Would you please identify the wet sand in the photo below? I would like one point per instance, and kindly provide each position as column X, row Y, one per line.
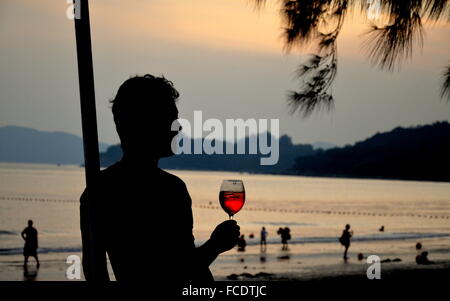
column 53, row 268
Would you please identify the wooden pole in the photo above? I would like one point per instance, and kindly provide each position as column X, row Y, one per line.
column 90, row 137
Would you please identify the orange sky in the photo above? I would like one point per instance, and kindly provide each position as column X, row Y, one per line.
column 231, row 24
column 226, row 25
column 220, row 50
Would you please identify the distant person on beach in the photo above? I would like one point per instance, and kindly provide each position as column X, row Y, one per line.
column 418, row 246
column 241, row 243
column 422, row 258
column 345, row 239
column 263, row 237
column 30, row 235
column 287, row 237
column 141, row 215
column 285, row 234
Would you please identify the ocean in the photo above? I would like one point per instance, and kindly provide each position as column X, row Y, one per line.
column 315, row 209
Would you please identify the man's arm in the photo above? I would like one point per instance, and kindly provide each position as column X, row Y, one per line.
column 206, row 254
column 223, row 238
column 23, row 234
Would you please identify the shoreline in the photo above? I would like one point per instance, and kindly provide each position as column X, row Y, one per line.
column 389, row 272
column 275, row 265
column 54, row 270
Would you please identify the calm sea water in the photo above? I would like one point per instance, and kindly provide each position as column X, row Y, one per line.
column 315, row 209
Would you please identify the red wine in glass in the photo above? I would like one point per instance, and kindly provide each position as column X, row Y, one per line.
column 232, row 196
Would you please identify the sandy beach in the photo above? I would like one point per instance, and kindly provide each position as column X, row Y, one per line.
column 277, row 265
column 54, row 270
column 410, row 211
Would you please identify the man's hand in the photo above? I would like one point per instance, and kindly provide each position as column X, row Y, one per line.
column 225, row 236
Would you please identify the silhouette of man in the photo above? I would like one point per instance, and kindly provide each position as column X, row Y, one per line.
column 30, row 235
column 143, row 214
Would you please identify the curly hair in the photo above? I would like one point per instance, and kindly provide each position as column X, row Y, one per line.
column 141, row 91
column 141, row 95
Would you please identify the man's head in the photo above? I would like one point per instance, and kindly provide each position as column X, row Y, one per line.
column 347, row 226
column 144, row 109
column 30, row 223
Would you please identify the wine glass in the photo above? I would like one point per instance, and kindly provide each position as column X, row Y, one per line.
column 232, row 196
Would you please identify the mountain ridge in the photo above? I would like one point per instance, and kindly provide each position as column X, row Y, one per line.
column 27, row 145
column 412, row 153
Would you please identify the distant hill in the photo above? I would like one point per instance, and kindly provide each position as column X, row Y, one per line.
column 241, row 163
column 26, row 145
column 323, row 145
column 416, row 153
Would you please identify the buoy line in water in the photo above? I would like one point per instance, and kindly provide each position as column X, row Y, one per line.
column 293, row 211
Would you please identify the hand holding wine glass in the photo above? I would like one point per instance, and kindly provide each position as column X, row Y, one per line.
column 225, row 236
column 232, row 196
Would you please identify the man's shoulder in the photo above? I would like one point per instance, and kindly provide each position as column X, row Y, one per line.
column 115, row 176
column 111, row 170
column 105, row 176
column 172, row 179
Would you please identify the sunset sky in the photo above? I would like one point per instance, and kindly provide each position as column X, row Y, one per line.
column 224, row 57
